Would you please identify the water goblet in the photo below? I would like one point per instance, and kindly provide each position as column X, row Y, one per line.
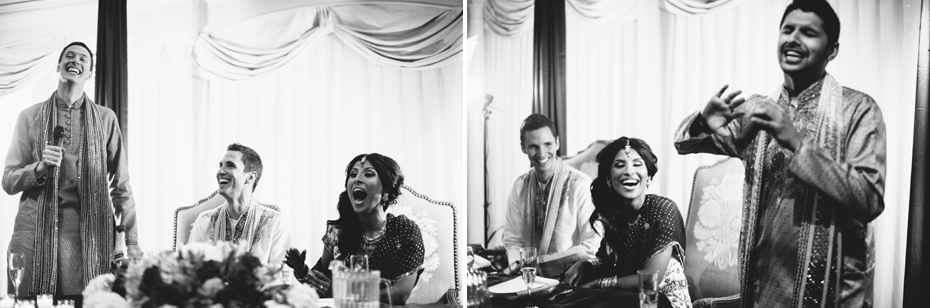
column 529, row 277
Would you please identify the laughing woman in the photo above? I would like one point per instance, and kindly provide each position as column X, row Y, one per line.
column 642, row 231
column 393, row 243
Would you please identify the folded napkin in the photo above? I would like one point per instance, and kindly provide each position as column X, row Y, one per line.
column 516, row 288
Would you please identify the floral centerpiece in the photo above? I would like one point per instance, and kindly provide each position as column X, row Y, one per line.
column 198, row 275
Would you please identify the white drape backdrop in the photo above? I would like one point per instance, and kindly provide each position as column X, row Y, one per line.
column 307, row 121
column 639, row 76
column 306, row 118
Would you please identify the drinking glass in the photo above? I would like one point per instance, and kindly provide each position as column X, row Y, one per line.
column 358, row 262
column 529, row 256
column 529, row 276
column 16, row 266
column 648, row 289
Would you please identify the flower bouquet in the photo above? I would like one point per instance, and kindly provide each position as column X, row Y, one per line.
column 198, row 275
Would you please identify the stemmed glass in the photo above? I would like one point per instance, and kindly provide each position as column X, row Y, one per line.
column 529, row 276
column 16, row 266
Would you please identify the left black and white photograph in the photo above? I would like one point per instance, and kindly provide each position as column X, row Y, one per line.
column 232, row 153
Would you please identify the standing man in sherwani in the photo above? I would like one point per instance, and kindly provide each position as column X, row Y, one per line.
column 814, row 153
column 65, row 226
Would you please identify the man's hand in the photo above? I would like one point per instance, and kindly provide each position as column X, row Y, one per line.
column 720, row 110
column 770, row 117
column 134, row 253
column 51, row 157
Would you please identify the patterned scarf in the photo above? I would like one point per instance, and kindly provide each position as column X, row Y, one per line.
column 96, row 208
column 250, row 228
column 557, row 196
column 819, row 227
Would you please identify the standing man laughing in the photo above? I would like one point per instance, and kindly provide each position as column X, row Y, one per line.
column 814, row 153
column 65, row 224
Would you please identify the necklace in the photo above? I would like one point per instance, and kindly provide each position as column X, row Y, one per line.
column 377, row 234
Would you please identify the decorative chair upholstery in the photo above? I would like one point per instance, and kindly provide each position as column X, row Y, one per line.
column 712, row 234
column 585, row 161
column 438, row 225
column 185, row 216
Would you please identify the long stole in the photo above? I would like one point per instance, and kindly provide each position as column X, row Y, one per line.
column 820, row 240
column 96, row 208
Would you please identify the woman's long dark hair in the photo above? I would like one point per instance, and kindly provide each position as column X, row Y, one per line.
column 350, row 238
column 605, row 199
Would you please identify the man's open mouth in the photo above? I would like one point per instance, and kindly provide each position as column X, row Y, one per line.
column 73, row 70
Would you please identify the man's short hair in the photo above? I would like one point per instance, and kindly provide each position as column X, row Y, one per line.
column 831, row 23
column 536, row 121
column 62, row 55
column 250, row 159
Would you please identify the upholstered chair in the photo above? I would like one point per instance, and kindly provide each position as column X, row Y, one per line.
column 585, row 161
column 712, row 234
column 438, row 225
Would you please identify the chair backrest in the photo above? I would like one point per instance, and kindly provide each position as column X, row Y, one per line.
column 585, row 161
column 713, row 228
column 438, row 225
column 185, row 216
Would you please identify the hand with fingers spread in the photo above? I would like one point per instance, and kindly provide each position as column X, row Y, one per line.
column 296, row 259
column 52, row 156
column 770, row 117
column 721, row 109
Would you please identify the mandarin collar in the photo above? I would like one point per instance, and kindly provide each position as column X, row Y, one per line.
column 808, row 95
column 64, row 105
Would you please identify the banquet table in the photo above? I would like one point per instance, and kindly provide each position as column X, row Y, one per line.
column 567, row 296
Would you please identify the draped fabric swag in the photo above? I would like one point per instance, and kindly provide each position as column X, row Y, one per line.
column 917, row 272
column 22, row 63
column 641, row 74
column 688, row 7
column 112, row 59
column 401, row 36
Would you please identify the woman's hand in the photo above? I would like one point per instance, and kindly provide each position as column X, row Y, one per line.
column 296, row 259
column 320, row 282
column 576, row 274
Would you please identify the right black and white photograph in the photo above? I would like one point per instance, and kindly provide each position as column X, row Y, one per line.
column 697, row 153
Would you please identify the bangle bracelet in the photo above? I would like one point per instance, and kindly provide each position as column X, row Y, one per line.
column 594, row 261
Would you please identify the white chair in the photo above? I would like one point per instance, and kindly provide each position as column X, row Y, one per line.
column 438, row 225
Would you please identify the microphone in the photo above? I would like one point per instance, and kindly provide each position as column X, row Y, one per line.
column 58, row 134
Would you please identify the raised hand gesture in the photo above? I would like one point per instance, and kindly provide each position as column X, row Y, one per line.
column 296, row 259
column 721, row 109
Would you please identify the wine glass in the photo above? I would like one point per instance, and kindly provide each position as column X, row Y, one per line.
column 529, row 256
column 16, row 266
column 529, row 276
